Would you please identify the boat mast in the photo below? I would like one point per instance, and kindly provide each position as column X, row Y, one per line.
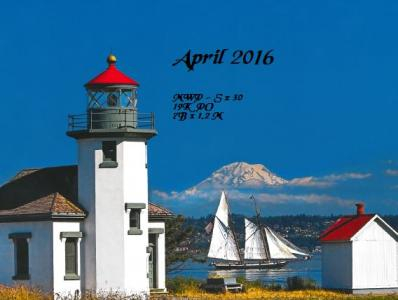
column 260, row 227
column 230, row 221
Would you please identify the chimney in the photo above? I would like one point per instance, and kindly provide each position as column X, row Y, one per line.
column 360, row 208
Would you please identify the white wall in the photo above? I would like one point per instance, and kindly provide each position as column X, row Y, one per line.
column 40, row 254
column 374, row 258
column 86, row 196
column 101, row 193
column 135, row 184
column 337, row 265
column 113, row 259
column 62, row 286
column 161, row 255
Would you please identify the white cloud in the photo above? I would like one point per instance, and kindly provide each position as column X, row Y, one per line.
column 238, row 195
column 283, row 198
column 185, row 195
column 328, row 180
column 165, row 195
column 392, row 172
column 305, row 198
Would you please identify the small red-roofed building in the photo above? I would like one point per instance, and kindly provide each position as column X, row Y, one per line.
column 359, row 254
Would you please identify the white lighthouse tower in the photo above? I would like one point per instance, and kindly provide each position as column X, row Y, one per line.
column 113, row 184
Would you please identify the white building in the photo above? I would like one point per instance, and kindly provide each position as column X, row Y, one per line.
column 359, row 254
column 89, row 227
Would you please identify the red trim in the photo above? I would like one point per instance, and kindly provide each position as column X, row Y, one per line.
column 112, row 76
column 345, row 228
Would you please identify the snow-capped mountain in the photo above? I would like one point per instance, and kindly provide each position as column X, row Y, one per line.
column 277, row 195
column 240, row 175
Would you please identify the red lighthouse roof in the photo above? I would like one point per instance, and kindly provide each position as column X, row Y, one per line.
column 111, row 76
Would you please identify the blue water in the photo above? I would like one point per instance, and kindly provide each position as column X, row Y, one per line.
column 306, row 268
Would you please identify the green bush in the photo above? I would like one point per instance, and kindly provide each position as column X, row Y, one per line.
column 249, row 284
column 181, row 284
column 299, row 283
column 273, row 286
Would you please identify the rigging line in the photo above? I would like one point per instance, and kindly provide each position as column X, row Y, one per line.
column 263, row 237
column 226, row 229
column 226, row 239
column 232, row 228
column 257, row 229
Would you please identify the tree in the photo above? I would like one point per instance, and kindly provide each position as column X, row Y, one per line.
column 177, row 233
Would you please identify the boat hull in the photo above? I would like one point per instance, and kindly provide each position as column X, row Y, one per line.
column 244, row 266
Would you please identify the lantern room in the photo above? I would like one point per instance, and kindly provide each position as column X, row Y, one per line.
column 112, row 89
column 111, row 104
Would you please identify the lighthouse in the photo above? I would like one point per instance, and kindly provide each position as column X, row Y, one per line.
column 73, row 229
column 112, row 138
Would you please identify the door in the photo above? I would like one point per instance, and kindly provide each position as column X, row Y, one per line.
column 152, row 261
column 150, row 273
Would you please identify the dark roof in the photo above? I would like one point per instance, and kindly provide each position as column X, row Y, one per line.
column 49, row 193
column 41, row 194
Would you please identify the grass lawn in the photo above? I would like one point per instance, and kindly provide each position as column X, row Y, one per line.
column 191, row 291
column 259, row 293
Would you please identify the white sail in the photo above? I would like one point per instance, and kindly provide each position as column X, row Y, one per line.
column 277, row 249
column 223, row 244
column 292, row 248
column 254, row 244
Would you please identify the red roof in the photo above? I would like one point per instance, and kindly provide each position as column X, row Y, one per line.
column 112, row 76
column 345, row 228
column 156, row 211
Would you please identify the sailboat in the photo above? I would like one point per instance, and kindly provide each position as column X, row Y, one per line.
column 264, row 248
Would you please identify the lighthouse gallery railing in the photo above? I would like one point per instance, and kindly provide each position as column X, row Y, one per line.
column 111, row 119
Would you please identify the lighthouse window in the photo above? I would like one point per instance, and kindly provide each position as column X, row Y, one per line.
column 109, row 154
column 134, row 217
column 109, row 150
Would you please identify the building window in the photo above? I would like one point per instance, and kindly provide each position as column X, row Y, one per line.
column 21, row 250
column 109, row 150
column 22, row 258
column 135, row 218
column 71, row 254
column 71, row 257
column 109, row 154
column 134, row 210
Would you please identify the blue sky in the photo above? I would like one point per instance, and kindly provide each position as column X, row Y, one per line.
column 327, row 105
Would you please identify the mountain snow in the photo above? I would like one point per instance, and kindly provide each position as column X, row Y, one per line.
column 241, row 175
